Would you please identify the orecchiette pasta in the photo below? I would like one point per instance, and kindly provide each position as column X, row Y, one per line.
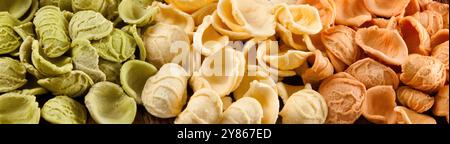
column 222, row 71
column 440, row 107
column 12, row 74
column 415, row 36
column 201, row 13
column 64, row 110
column 340, row 44
column 351, row 12
column 51, row 28
column 414, row 99
column 207, row 40
column 89, row 25
column 18, row 109
column 164, row 94
column 320, row 69
column 407, row 116
column 9, row 40
column 137, row 12
column 116, row 47
column 253, row 73
column 299, row 19
column 431, row 20
column 382, row 44
column 86, row 59
column 344, row 96
column 189, row 6
column 372, row 73
column 327, row 10
column 305, row 107
column 251, row 16
column 134, row 75
column 204, row 107
column 268, row 98
column 49, row 66
column 73, row 84
column 246, row 110
column 378, row 106
column 62, row 4
column 386, row 8
column 170, row 15
column 107, row 103
column 423, row 73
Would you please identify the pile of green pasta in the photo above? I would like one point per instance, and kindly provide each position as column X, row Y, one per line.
column 72, row 49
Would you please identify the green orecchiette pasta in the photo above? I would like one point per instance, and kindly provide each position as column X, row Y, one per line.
column 72, row 84
column 17, row 8
column 137, row 12
column 107, row 103
column 29, row 15
column 89, row 25
column 64, row 110
column 117, row 47
column 134, row 75
column 25, row 51
column 18, row 109
column 51, row 28
column 85, row 59
column 12, row 74
column 25, row 30
column 62, row 4
column 111, row 70
column 47, row 66
column 9, row 39
column 132, row 30
column 107, row 8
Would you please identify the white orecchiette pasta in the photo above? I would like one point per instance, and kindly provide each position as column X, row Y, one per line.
column 246, row 110
column 204, row 107
column 305, row 107
column 164, row 94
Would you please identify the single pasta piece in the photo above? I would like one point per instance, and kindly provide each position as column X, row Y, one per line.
column 344, row 96
column 305, row 107
column 440, row 107
column 415, row 36
column 246, row 110
column 406, row 116
column 222, row 71
column 268, row 99
column 372, row 73
column 320, row 69
column 204, row 107
column 378, row 107
column 382, row 44
column 423, row 73
column 164, row 94
column 414, row 99
column 207, row 40
column 339, row 42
